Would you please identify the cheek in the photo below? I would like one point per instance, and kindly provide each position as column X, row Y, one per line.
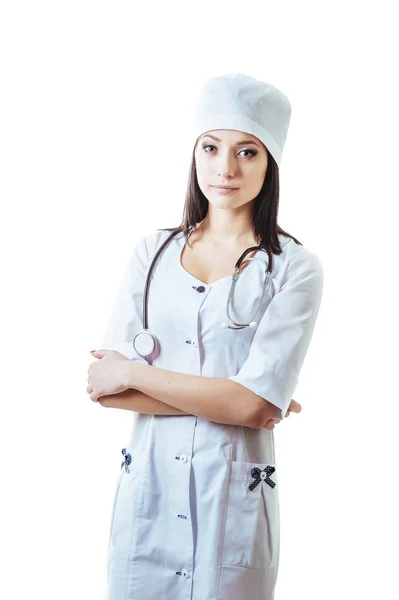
column 203, row 184
column 255, row 179
column 203, row 174
column 200, row 178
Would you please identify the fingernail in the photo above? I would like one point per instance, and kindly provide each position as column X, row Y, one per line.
column 92, row 351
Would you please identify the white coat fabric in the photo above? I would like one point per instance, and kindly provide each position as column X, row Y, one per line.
column 187, row 523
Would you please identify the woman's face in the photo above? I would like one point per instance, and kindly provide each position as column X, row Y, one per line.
column 223, row 159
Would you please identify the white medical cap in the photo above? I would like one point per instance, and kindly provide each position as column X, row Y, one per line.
column 241, row 102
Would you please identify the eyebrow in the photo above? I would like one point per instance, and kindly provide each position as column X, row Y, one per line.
column 242, row 143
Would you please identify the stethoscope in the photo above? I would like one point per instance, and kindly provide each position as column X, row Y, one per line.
column 144, row 342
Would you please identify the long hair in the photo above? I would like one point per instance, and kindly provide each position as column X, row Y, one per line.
column 264, row 215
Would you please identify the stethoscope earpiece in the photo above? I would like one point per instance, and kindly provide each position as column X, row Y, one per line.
column 251, row 325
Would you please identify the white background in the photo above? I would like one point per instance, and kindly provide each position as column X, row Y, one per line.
column 97, row 102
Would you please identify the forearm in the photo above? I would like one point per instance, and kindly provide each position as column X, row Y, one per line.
column 137, row 401
column 214, row 398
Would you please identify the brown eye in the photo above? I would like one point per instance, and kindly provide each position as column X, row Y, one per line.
column 252, row 152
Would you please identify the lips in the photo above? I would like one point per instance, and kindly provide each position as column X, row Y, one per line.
column 225, row 187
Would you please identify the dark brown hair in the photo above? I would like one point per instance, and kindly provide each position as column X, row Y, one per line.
column 265, row 209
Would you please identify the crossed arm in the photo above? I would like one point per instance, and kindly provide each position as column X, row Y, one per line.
column 158, row 391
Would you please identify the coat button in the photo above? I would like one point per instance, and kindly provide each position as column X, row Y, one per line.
column 183, row 458
column 201, row 288
column 185, row 573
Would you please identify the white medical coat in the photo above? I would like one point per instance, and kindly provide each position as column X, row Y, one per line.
column 186, row 525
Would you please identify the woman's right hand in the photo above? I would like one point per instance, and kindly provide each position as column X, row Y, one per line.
column 294, row 407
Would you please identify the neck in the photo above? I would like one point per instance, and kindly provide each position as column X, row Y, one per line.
column 224, row 227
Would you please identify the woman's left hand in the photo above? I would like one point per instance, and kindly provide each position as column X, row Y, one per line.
column 108, row 375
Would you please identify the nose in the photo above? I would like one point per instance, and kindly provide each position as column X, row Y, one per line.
column 226, row 165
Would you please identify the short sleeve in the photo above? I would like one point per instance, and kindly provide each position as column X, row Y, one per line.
column 283, row 336
column 127, row 315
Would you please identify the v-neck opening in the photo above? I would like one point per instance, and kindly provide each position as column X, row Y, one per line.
column 187, row 273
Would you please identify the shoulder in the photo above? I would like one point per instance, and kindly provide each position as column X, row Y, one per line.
column 147, row 245
column 299, row 258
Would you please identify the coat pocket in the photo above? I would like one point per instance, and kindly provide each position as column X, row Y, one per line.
column 118, row 482
column 252, row 526
column 128, row 499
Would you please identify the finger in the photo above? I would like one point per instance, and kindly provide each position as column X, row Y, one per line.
column 89, row 389
column 93, row 397
column 295, row 406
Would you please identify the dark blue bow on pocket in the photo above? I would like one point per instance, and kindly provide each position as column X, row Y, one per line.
column 259, row 475
column 127, row 461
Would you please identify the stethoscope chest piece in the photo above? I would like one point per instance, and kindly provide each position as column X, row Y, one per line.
column 144, row 343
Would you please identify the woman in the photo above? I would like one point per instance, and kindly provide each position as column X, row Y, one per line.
column 196, row 509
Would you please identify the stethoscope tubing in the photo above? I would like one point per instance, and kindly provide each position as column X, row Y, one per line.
column 147, row 340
